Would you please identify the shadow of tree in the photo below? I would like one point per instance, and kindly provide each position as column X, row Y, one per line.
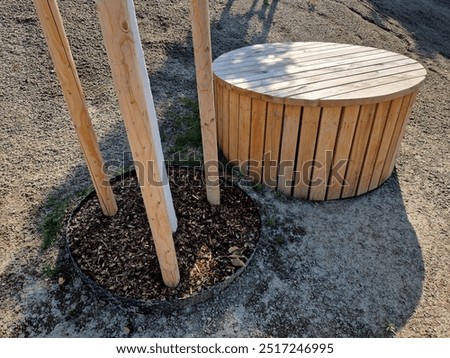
column 425, row 20
column 263, row 11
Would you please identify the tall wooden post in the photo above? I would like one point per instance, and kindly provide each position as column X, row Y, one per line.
column 201, row 34
column 55, row 35
column 126, row 57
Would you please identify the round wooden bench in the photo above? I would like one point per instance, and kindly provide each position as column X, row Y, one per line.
column 315, row 120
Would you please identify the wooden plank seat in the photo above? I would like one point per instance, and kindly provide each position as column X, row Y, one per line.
column 314, row 120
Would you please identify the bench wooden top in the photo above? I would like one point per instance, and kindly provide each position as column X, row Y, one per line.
column 318, row 73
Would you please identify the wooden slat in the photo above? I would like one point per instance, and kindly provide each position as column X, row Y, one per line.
column 399, row 131
column 126, row 57
column 328, row 129
column 245, row 107
column 203, row 63
column 291, row 125
column 218, row 94
column 58, row 44
column 225, row 122
column 344, row 142
column 233, row 128
column 272, row 146
column 306, row 149
column 375, row 139
column 257, row 136
column 358, row 151
column 391, row 122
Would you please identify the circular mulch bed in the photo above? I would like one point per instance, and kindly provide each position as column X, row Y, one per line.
column 116, row 255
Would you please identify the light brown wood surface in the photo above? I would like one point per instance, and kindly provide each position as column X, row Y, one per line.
column 341, row 158
column 306, row 149
column 233, row 128
column 274, row 126
column 58, row 44
column 386, row 140
column 373, row 146
column 328, row 130
column 203, row 63
column 399, row 131
column 258, row 127
column 329, row 118
column 315, row 73
column 245, row 107
column 121, row 37
column 291, row 125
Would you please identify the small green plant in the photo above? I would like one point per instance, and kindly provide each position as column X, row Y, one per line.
column 50, row 272
column 278, row 195
column 83, row 192
column 53, row 221
column 271, row 221
column 280, row 240
column 189, row 126
column 258, row 187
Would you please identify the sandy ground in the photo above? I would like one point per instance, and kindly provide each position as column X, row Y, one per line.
column 373, row 266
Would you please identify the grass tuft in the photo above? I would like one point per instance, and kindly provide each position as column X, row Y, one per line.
column 50, row 272
column 53, row 221
column 189, row 127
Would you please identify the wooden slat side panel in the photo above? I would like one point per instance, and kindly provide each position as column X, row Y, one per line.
column 388, row 133
column 257, row 136
column 358, row 151
column 306, row 148
column 394, row 149
column 374, row 145
column 289, row 142
column 344, row 142
column 272, row 145
column 326, row 140
column 226, row 122
column 245, row 107
column 233, row 127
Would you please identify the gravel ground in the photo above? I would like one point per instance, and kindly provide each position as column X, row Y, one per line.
column 371, row 266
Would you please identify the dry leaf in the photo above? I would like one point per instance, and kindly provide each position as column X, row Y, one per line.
column 61, row 281
column 237, row 262
column 233, row 249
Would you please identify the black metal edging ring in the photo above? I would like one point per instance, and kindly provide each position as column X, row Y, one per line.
column 146, row 306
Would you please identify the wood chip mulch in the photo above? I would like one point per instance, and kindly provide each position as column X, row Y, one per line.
column 212, row 242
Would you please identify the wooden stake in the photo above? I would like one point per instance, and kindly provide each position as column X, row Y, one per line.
column 201, row 34
column 58, row 44
column 126, row 57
